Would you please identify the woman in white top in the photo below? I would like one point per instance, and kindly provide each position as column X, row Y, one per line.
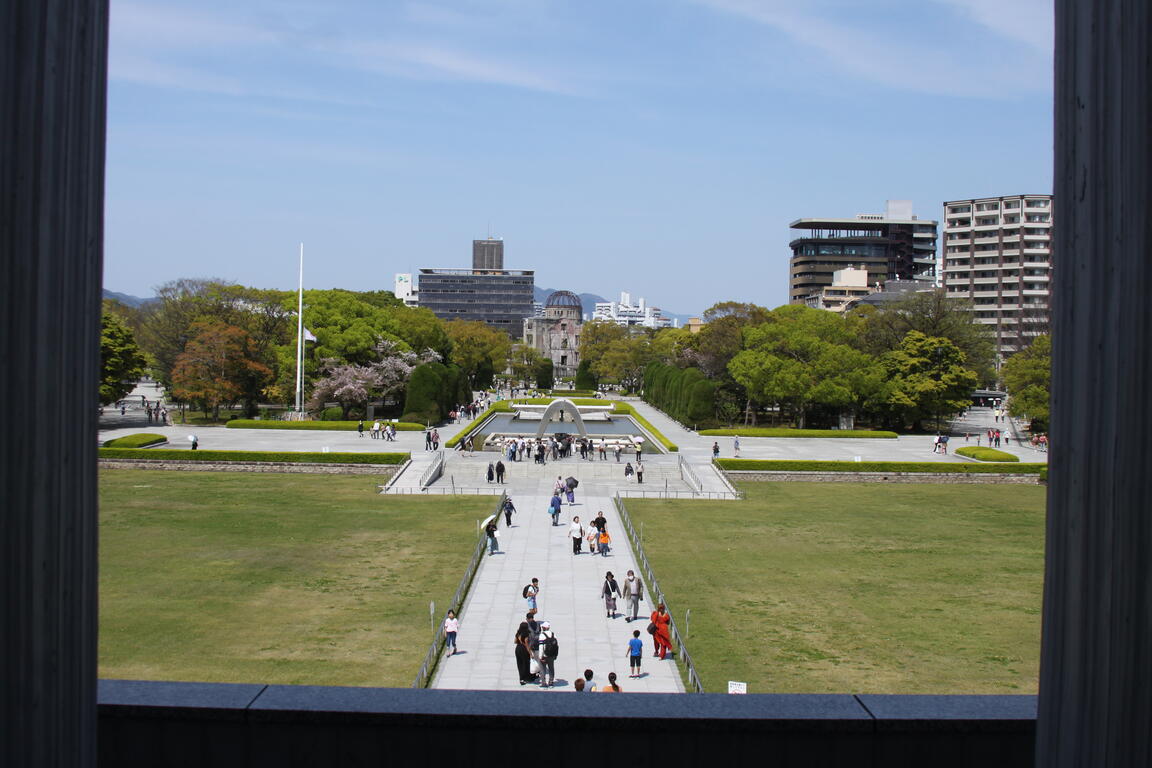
column 451, row 627
column 576, row 531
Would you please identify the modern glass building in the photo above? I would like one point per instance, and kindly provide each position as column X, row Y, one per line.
column 500, row 298
column 894, row 246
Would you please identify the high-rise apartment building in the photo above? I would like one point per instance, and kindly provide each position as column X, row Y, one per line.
column 892, row 246
column 488, row 254
column 998, row 253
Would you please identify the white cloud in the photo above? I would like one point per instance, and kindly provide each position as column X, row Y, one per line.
column 888, row 54
column 1027, row 21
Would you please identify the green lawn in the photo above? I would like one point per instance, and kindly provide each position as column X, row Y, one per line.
column 856, row 588
column 273, row 578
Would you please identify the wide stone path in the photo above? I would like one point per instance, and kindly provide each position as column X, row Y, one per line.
column 570, row 584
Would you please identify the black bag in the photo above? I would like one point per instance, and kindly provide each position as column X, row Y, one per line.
column 524, row 594
column 651, row 627
column 551, row 647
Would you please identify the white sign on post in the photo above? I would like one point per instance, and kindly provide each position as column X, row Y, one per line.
column 735, row 687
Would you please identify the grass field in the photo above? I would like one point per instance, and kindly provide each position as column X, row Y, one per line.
column 273, row 578
column 856, row 588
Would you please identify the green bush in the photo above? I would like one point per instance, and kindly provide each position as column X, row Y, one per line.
column 1044, row 475
column 585, row 379
column 277, row 456
column 335, row 413
column 423, row 402
column 545, row 374
column 787, row 432
column 981, row 453
column 773, row 465
column 500, row 406
column 572, row 393
column 138, row 440
column 685, row 394
column 629, row 410
column 329, row 426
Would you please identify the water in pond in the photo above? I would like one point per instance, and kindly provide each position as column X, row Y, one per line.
column 508, row 424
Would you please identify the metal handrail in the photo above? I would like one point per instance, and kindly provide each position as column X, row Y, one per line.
column 433, row 656
column 434, row 470
column 724, row 479
column 682, row 654
column 688, row 475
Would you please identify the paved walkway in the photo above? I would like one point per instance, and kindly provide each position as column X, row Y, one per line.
column 570, row 585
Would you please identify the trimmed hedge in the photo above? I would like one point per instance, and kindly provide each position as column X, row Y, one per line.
column 331, row 426
column 784, row 465
column 786, row 432
column 138, row 440
column 1044, row 475
column 981, row 453
column 504, row 406
column 585, row 379
column 685, row 394
column 278, row 456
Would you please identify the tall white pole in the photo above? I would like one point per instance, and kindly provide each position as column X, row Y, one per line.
column 300, row 338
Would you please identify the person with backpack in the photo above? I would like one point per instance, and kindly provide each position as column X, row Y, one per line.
column 530, row 592
column 549, row 650
column 610, row 591
column 554, row 508
column 508, row 510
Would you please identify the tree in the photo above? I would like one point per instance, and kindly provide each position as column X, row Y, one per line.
column 166, row 324
column 624, row 360
column 121, row 361
column 928, row 377
column 596, row 337
column 936, row 315
column 545, row 374
column 586, row 381
column 800, row 358
column 522, row 361
column 1028, row 377
column 215, row 365
column 478, row 349
column 422, row 405
column 354, row 385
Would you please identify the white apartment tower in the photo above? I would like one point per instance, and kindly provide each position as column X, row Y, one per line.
column 998, row 253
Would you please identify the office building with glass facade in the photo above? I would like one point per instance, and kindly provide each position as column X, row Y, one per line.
column 893, row 246
column 500, row 298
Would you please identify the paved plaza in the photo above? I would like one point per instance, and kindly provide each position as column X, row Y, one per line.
column 533, row 548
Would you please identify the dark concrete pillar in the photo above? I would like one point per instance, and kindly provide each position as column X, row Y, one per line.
column 53, row 79
column 1096, row 664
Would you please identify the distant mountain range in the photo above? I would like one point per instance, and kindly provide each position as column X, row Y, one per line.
column 588, row 301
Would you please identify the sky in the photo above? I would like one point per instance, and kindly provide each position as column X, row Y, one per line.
column 659, row 147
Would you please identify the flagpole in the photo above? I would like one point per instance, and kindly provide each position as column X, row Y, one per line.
column 300, row 338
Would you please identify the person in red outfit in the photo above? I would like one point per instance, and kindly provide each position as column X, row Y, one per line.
column 661, row 638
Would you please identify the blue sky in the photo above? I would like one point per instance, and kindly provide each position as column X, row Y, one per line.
column 655, row 146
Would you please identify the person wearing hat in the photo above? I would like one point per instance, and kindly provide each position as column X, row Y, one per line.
column 549, row 650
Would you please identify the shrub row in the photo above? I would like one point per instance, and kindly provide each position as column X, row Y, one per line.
column 685, row 394
column 784, row 465
column 278, row 456
column 138, row 440
column 981, row 453
column 785, row 432
column 627, row 408
column 330, row 426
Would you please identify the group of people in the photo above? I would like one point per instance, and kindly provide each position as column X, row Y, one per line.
column 432, row 440
column 554, row 448
column 637, row 472
column 378, row 430
column 599, row 542
column 496, row 472
column 940, row 444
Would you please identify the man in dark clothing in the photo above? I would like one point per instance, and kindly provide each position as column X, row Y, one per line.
column 499, row 471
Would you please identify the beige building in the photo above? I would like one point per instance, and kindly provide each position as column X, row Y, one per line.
column 848, row 286
column 556, row 334
column 998, row 254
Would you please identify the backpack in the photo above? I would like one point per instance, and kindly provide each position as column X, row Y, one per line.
column 551, row 646
column 524, row 594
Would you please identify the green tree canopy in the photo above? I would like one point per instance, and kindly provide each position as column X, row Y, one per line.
column 121, row 361
column 928, row 377
column 479, row 349
column 1028, row 377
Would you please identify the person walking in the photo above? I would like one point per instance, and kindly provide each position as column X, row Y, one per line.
column 493, row 534
column 639, row 474
column 604, row 541
column 554, row 508
column 549, row 650
column 435, row 440
column 428, row 440
column 509, row 509
column 531, row 591
column 499, row 471
column 660, row 633
column 736, row 446
column 628, row 471
column 632, row 592
column 359, row 425
column 451, row 627
column 716, row 450
column 576, row 531
column 616, row 451
column 610, row 591
column 570, row 489
column 491, row 472
column 559, row 486
column 635, row 653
